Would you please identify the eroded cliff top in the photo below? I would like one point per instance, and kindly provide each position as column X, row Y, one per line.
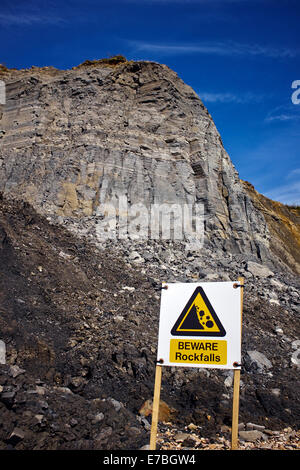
column 113, row 62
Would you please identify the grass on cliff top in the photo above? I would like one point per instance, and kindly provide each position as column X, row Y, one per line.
column 3, row 69
column 106, row 62
column 109, row 62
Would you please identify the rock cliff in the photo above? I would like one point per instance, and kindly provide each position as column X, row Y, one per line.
column 284, row 227
column 74, row 140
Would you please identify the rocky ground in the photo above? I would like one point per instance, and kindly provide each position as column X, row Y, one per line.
column 251, row 437
column 80, row 332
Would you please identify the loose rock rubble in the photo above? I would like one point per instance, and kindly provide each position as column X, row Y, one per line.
column 80, row 326
column 171, row 438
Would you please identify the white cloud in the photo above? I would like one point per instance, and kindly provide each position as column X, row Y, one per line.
column 282, row 117
column 226, row 48
column 283, row 113
column 271, row 163
column 23, row 19
column 228, row 97
column 293, row 173
column 287, row 194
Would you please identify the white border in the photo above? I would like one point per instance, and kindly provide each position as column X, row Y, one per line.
column 226, row 301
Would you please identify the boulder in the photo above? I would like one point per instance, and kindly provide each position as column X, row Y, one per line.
column 2, row 352
column 251, row 436
column 259, row 270
column 261, row 361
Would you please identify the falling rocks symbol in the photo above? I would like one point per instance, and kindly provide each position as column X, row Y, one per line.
column 198, row 318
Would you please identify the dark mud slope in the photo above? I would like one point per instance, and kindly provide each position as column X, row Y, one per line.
column 80, row 329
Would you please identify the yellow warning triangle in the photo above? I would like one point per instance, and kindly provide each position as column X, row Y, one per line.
column 198, row 318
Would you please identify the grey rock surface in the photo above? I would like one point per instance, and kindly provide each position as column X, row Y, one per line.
column 250, row 436
column 260, row 360
column 2, row 352
column 74, row 140
column 259, row 270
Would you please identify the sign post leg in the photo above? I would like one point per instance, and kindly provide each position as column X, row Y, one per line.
column 155, row 407
column 236, row 387
column 235, row 409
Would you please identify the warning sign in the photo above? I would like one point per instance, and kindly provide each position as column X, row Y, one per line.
column 198, row 318
column 200, row 325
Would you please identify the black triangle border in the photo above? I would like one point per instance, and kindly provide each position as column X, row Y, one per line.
column 198, row 290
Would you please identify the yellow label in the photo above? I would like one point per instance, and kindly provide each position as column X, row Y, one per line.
column 189, row 351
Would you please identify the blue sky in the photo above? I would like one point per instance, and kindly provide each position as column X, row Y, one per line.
column 240, row 56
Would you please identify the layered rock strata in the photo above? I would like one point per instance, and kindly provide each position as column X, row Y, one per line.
column 75, row 140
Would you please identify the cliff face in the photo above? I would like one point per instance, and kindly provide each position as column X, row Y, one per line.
column 283, row 225
column 73, row 140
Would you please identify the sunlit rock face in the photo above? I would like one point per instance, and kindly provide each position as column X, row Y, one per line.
column 73, row 141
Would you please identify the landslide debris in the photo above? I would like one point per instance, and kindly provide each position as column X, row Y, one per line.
column 80, row 329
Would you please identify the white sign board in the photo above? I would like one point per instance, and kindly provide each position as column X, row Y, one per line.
column 200, row 325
